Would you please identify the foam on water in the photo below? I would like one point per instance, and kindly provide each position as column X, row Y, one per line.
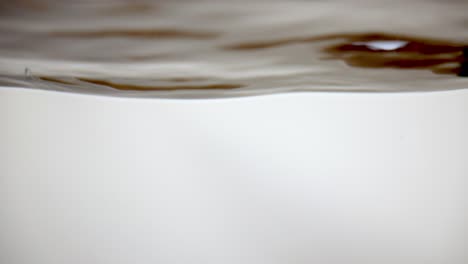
column 218, row 48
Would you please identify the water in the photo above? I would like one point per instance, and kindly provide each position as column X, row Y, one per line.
column 219, row 48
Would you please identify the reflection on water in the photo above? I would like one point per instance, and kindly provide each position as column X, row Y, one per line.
column 401, row 52
column 213, row 48
column 379, row 50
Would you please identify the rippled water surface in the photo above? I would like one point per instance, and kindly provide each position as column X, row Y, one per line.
column 216, row 48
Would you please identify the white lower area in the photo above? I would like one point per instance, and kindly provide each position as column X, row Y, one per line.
column 302, row 178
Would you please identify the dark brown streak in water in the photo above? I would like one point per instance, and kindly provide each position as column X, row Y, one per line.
column 136, row 33
column 55, row 80
column 133, row 87
column 355, row 50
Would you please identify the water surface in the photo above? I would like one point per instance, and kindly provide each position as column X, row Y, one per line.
column 217, row 48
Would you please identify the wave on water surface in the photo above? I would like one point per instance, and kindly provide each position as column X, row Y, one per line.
column 222, row 48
